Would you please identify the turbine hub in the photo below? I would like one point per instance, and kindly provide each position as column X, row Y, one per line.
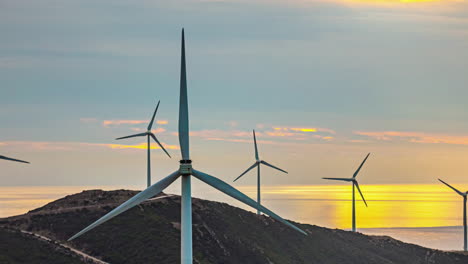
column 185, row 167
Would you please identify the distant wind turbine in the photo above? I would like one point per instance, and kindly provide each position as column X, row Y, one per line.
column 11, row 159
column 185, row 171
column 257, row 164
column 355, row 184
column 465, row 246
column 149, row 134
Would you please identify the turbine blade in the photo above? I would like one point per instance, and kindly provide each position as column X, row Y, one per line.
column 231, row 191
column 362, row 196
column 160, row 197
column 152, row 119
column 360, row 166
column 135, row 200
column 183, row 106
column 339, row 179
column 12, row 159
column 255, row 143
column 251, row 167
column 157, row 141
column 269, row 165
column 451, row 187
column 136, row 135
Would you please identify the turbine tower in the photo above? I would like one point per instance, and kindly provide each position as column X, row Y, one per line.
column 185, row 171
column 465, row 246
column 149, row 135
column 257, row 163
column 355, row 184
column 11, row 159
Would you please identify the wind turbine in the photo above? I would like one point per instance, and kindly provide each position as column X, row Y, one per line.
column 257, row 163
column 149, row 135
column 465, row 246
column 355, row 184
column 11, row 159
column 185, row 171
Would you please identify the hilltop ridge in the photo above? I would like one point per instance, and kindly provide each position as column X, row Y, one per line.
column 150, row 233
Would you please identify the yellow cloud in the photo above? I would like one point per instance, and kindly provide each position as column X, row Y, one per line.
column 305, row 129
column 162, row 122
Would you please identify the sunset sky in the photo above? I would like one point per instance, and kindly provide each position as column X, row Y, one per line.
column 322, row 82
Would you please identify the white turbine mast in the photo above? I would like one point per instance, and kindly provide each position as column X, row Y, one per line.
column 355, row 184
column 257, row 163
column 464, row 195
column 149, row 134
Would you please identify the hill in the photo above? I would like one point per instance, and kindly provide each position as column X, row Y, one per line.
column 150, row 233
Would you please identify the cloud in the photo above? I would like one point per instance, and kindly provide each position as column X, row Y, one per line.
column 415, row 137
column 108, row 123
column 70, row 146
column 140, row 146
column 241, row 140
column 301, row 133
column 162, row 122
column 270, row 134
column 305, row 129
column 155, row 131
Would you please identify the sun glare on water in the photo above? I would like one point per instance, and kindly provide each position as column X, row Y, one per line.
column 413, row 205
column 409, row 205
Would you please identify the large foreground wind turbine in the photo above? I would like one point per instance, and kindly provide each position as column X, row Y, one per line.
column 355, row 184
column 465, row 246
column 257, row 163
column 149, row 134
column 186, row 172
column 11, row 159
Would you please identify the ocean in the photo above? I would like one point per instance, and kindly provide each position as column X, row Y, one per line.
column 426, row 214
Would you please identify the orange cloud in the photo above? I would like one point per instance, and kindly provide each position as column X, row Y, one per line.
column 391, row 1
column 123, row 122
column 68, row 146
column 107, row 123
column 139, row 146
column 155, row 131
column 396, row 2
column 416, row 137
column 241, row 140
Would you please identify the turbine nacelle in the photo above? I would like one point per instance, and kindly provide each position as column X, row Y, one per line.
column 185, row 167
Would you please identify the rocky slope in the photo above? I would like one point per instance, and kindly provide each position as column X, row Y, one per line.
column 150, row 233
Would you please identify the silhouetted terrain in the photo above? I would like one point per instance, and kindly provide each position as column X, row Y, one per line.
column 150, row 233
column 17, row 247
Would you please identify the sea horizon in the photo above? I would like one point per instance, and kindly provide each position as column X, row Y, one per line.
column 422, row 214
